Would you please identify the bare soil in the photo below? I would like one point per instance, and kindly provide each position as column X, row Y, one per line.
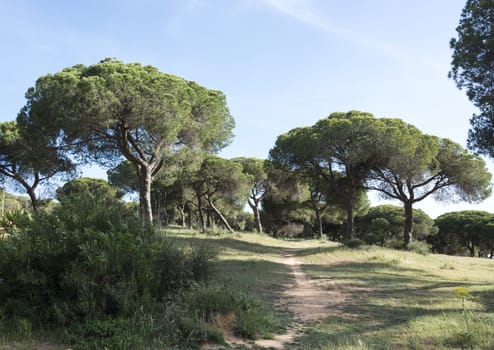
column 307, row 300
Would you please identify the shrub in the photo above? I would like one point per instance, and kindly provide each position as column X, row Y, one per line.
column 53, row 275
column 354, row 243
column 108, row 333
column 420, row 247
column 291, row 230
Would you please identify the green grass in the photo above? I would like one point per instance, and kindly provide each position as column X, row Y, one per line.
column 387, row 299
column 401, row 300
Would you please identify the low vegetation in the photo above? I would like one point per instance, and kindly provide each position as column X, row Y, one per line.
column 387, row 299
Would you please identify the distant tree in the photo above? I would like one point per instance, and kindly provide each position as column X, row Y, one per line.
column 473, row 69
column 487, row 238
column 29, row 160
column 219, row 181
column 462, row 227
column 124, row 176
column 112, row 110
column 260, row 185
column 339, row 150
column 413, row 166
column 89, row 190
column 384, row 224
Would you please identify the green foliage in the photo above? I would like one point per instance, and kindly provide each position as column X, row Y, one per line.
column 28, row 160
column 108, row 333
column 413, row 166
column 250, row 320
column 290, row 230
column 420, row 247
column 111, row 110
column 92, row 274
column 472, row 65
column 354, row 243
column 463, row 232
column 221, row 186
column 384, row 224
column 260, row 185
column 338, row 151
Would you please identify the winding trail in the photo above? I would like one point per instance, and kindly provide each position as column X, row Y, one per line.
column 308, row 301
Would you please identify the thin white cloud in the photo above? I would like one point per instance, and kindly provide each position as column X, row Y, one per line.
column 305, row 11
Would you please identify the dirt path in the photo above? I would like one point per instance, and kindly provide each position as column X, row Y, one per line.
column 308, row 302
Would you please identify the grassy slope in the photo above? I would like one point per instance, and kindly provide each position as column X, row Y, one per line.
column 397, row 300
column 389, row 299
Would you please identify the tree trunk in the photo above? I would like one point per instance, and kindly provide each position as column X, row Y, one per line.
column 471, row 248
column 257, row 218
column 191, row 212
column 408, row 231
column 221, row 217
column 257, row 215
column 208, row 219
column 349, row 216
column 319, row 221
column 181, row 209
column 34, row 199
column 145, row 180
column 202, row 226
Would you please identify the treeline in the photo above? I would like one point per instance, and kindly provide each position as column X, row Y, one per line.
column 159, row 134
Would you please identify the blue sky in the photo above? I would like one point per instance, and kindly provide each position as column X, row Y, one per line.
column 281, row 63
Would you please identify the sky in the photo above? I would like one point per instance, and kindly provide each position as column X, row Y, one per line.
column 281, row 63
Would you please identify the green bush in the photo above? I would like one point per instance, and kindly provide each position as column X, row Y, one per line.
column 93, row 270
column 420, row 247
column 354, row 243
column 109, row 333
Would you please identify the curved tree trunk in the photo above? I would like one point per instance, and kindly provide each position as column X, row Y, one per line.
column 30, row 189
column 221, row 217
column 181, row 209
column 408, row 232
column 257, row 215
column 34, row 199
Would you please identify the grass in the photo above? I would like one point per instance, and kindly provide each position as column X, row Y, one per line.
column 387, row 299
column 391, row 299
column 401, row 300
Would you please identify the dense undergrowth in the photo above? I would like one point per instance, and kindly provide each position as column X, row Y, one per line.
column 91, row 275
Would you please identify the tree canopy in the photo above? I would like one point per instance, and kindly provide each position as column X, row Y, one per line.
column 473, row 69
column 113, row 110
column 413, row 166
column 384, row 225
column 260, row 185
column 338, row 149
column 466, row 229
column 29, row 160
column 219, row 180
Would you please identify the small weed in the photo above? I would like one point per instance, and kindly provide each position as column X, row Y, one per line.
column 384, row 259
column 447, row 266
